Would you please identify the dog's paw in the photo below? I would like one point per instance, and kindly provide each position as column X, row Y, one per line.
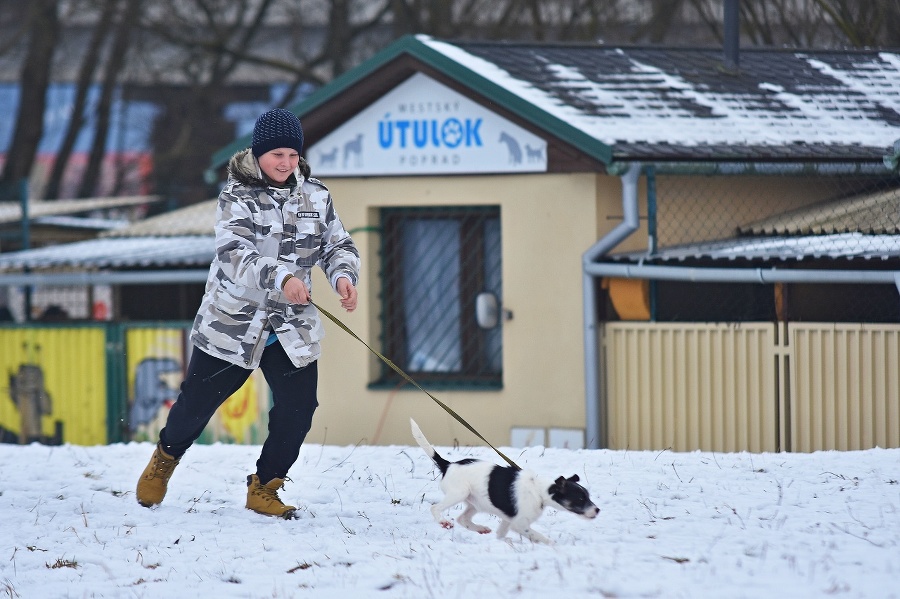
column 483, row 530
column 446, row 524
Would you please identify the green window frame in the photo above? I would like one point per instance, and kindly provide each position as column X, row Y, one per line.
column 435, row 262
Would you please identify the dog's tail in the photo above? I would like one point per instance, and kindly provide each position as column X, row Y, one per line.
column 417, row 434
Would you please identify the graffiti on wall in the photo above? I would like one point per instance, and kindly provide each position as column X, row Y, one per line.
column 157, row 359
column 53, row 386
column 29, row 394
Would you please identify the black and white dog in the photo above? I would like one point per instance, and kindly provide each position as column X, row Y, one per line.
column 517, row 497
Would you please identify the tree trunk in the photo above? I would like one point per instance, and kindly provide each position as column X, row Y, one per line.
column 43, row 36
column 91, row 176
column 339, row 36
column 83, row 85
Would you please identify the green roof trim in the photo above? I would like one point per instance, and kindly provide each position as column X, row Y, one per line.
column 411, row 45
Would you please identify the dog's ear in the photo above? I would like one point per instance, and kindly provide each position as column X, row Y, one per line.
column 574, row 478
column 558, row 485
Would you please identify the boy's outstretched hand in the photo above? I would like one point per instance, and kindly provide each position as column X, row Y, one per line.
column 348, row 294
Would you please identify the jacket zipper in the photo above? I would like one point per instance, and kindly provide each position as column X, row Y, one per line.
column 260, row 338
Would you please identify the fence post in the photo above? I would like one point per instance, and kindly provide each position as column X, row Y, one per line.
column 116, row 384
column 26, row 238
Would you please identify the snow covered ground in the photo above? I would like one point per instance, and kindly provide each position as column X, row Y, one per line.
column 671, row 525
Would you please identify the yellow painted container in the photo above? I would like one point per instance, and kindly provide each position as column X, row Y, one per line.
column 157, row 359
column 154, row 364
column 55, row 385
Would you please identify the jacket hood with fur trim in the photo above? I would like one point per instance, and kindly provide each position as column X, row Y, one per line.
column 244, row 169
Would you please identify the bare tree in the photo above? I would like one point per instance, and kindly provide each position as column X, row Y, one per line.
column 114, row 64
column 193, row 57
column 43, row 28
column 809, row 23
column 871, row 23
column 85, row 78
column 663, row 16
column 217, row 41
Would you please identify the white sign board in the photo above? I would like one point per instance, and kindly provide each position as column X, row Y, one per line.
column 423, row 127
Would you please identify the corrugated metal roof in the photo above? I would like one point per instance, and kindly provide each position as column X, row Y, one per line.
column 775, row 248
column 11, row 212
column 129, row 252
column 82, row 222
column 176, row 239
column 865, row 226
column 196, row 219
column 876, row 213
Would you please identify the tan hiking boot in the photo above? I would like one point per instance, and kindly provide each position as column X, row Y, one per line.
column 154, row 481
column 263, row 498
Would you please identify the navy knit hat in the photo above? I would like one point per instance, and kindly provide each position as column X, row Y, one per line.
column 277, row 128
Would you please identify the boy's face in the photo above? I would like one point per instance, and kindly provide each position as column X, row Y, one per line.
column 278, row 164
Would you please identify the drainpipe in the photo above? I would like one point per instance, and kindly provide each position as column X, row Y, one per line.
column 594, row 432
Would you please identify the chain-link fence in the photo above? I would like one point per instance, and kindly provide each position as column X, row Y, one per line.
column 829, row 231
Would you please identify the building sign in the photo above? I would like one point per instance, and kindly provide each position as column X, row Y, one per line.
column 423, row 127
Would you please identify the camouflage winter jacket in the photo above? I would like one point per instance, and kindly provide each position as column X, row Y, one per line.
column 262, row 233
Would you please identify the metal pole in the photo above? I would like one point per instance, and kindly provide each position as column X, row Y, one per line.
column 595, row 429
column 731, row 35
column 26, row 238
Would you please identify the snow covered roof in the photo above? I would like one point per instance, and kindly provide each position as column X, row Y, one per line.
column 127, row 252
column 196, row 219
column 177, row 239
column 11, row 212
column 670, row 103
column 864, row 226
column 648, row 103
column 775, row 248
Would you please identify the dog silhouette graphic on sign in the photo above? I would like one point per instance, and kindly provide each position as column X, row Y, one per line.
column 353, row 148
column 512, row 146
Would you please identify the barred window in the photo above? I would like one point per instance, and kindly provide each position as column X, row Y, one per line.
column 435, row 264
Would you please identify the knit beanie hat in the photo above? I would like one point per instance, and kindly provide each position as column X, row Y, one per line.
column 277, row 128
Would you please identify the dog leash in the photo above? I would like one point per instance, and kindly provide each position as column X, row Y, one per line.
column 399, row 371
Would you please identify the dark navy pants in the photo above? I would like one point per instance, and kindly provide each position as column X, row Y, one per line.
column 210, row 381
